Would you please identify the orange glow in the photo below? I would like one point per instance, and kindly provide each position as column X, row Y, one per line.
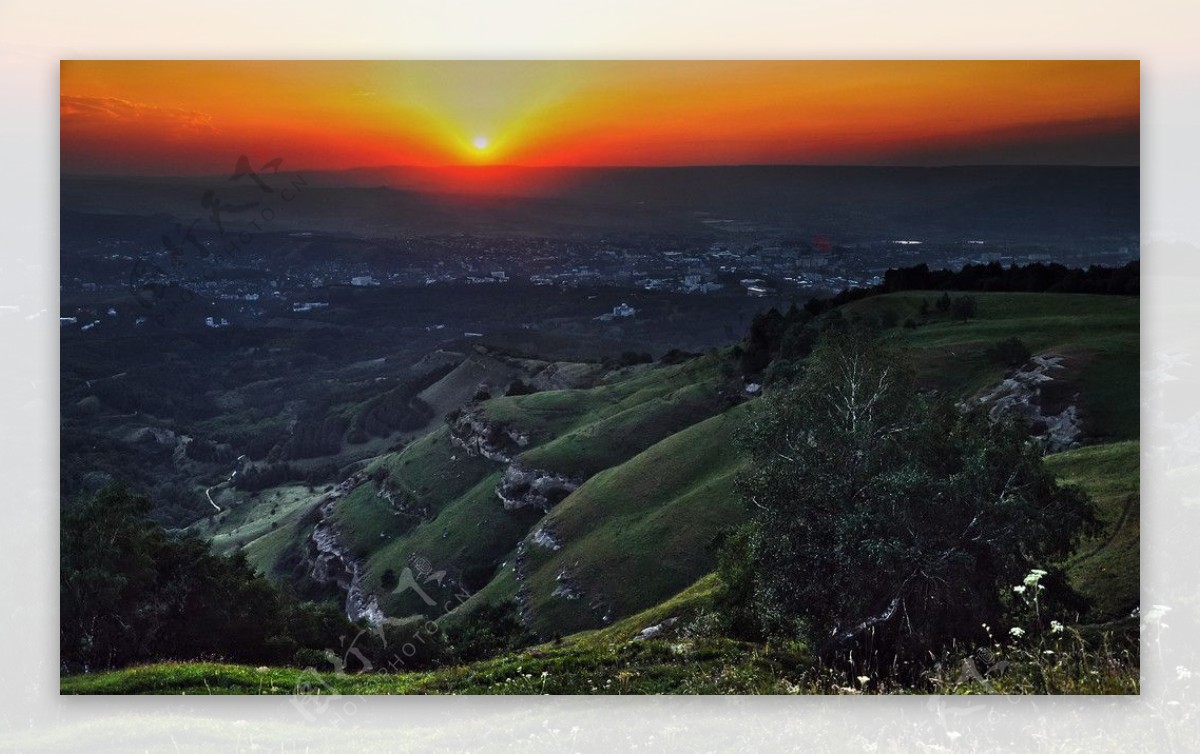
column 195, row 117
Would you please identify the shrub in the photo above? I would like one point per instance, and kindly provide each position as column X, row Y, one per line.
column 885, row 524
column 963, row 308
column 1011, row 352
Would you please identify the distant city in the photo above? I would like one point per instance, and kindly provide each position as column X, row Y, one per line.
column 258, row 286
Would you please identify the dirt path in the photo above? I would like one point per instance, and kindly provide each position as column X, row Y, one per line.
column 208, row 494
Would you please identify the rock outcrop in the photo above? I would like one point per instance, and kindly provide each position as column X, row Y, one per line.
column 564, row 586
column 332, row 563
column 521, row 487
column 545, row 537
column 655, row 630
column 476, row 435
column 1034, row 391
column 401, row 501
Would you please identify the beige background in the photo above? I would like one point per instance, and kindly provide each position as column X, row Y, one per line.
column 35, row 35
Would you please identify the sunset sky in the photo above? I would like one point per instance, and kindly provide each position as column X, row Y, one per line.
column 194, row 117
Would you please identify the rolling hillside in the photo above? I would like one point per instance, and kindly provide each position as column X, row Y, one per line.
column 596, row 510
column 588, row 506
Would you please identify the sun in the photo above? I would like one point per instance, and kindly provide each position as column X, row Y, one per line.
column 480, row 143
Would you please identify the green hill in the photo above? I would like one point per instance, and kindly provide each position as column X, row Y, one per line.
column 444, row 511
column 655, row 449
column 1105, row 569
column 1097, row 334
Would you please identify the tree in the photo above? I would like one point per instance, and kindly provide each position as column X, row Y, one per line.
column 963, row 308
column 131, row 593
column 943, row 302
column 886, row 526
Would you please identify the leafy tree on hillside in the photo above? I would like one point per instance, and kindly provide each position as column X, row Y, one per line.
column 963, row 308
column 886, row 526
column 130, row 593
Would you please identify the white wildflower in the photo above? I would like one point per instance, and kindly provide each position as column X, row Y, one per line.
column 1018, row 589
column 1056, row 626
column 862, row 680
column 1035, row 576
column 1017, row 632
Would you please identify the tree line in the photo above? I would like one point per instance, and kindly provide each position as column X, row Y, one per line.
column 1036, row 277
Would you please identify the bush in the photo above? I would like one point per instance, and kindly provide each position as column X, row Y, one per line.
column 490, row 631
column 963, row 308
column 1011, row 352
column 519, row 387
column 886, row 525
column 388, row 580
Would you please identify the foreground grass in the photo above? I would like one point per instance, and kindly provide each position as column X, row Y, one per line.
column 651, row 667
column 1058, row 664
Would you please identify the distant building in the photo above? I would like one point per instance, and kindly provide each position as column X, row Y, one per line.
column 363, row 280
column 216, row 322
column 308, row 306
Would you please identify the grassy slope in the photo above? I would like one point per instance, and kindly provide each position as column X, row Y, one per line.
column 640, row 502
column 468, row 540
column 1106, row 568
column 430, row 473
column 548, row 415
column 1098, row 333
column 640, row 532
column 460, row 385
column 637, row 533
column 249, row 519
column 470, row 534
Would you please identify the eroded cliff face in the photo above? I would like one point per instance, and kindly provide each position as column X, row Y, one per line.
column 521, row 487
column 1038, row 392
column 476, row 435
column 332, row 563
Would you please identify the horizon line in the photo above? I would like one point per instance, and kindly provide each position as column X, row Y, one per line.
column 680, row 166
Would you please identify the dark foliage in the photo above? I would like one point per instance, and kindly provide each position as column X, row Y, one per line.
column 1011, row 352
column 519, row 387
column 491, row 630
column 262, row 477
column 677, row 356
column 886, row 526
column 963, row 308
column 131, row 593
